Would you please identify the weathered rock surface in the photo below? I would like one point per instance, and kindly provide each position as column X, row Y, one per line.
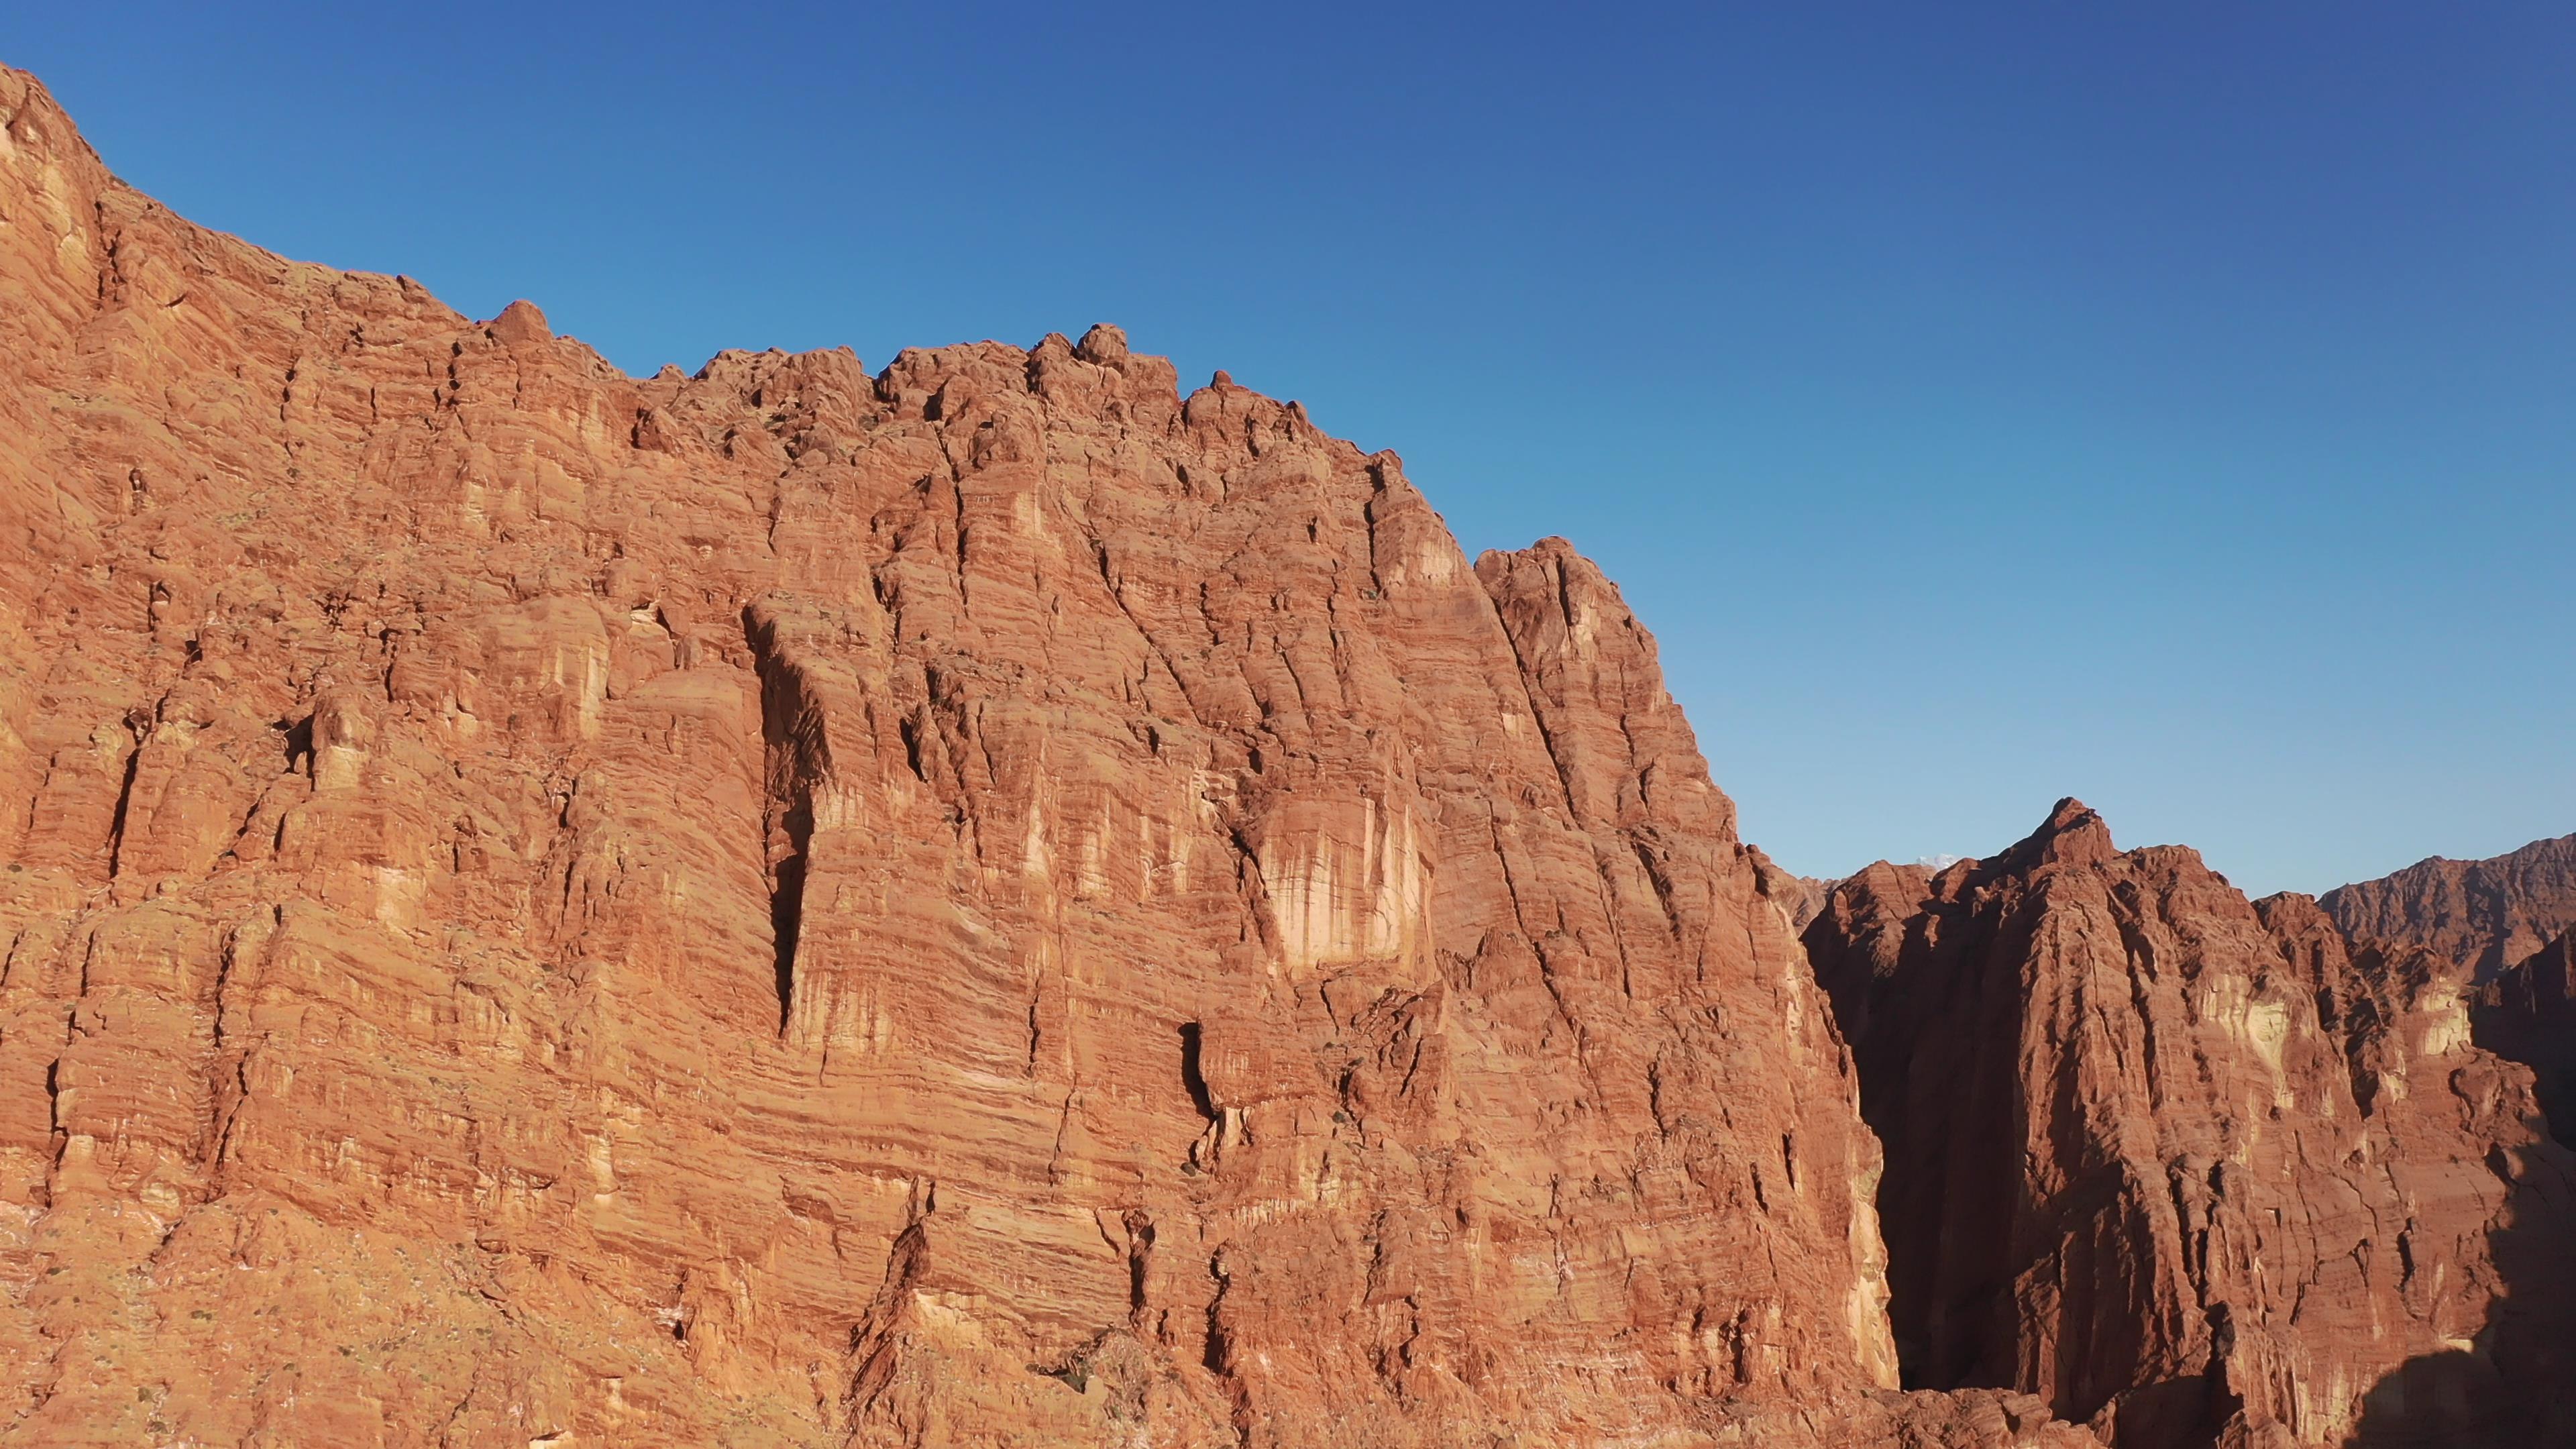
column 993, row 902
column 2484, row 914
column 2188, row 1170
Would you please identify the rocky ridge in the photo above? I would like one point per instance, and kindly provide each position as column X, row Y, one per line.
column 2483, row 914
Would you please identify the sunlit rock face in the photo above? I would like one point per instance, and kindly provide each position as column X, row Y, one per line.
column 991, row 902
column 2190, row 1168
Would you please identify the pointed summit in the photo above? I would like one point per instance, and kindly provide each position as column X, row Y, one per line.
column 2071, row 835
column 1105, row 343
column 520, row 324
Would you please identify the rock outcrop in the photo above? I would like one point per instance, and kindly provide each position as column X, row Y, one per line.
column 991, row 902
column 2188, row 1170
column 2484, row 914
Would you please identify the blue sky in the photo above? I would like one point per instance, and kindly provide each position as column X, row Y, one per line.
column 2169, row 404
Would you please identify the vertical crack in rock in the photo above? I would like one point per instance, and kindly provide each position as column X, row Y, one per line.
column 789, row 835
column 1140, row 1256
column 1192, row 1076
column 788, row 732
column 138, row 727
column 1214, row 1356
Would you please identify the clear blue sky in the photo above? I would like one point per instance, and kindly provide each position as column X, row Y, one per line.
column 2172, row 404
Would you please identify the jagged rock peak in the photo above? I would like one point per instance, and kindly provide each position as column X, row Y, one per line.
column 520, row 325
column 2072, row 835
column 1104, row 344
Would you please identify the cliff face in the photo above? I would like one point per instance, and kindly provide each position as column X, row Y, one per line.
column 992, row 902
column 2185, row 1167
column 2485, row 914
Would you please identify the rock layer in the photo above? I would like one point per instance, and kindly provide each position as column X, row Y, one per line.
column 991, row 902
column 2187, row 1169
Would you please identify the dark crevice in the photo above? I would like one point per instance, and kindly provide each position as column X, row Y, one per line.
column 124, row 803
column 1213, row 1357
column 1191, row 1077
column 1140, row 1254
column 910, row 729
column 299, row 740
column 787, row 906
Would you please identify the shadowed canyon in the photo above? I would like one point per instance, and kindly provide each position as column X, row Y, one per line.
column 999, row 901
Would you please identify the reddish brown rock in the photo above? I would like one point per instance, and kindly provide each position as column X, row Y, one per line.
column 991, row 903
column 2186, row 1169
column 2484, row 914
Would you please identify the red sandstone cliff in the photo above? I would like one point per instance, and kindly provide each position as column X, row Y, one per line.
column 994, row 902
column 2187, row 1169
